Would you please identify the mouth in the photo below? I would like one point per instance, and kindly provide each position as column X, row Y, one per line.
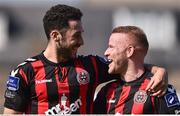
column 109, row 61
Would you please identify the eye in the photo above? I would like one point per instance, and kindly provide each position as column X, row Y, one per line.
column 110, row 46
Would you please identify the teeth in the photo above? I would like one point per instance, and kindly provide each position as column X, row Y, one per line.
column 109, row 60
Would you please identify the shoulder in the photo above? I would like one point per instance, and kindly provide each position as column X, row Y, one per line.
column 28, row 61
column 97, row 58
column 103, row 87
column 19, row 74
column 25, row 65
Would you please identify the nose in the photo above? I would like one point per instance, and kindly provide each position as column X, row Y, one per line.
column 81, row 41
column 82, row 29
column 106, row 53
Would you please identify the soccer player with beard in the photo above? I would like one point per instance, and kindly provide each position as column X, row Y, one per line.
column 57, row 81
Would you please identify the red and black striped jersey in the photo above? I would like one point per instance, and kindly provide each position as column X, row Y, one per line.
column 119, row 97
column 39, row 86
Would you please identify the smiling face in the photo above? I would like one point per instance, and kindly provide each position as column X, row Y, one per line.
column 116, row 53
column 71, row 40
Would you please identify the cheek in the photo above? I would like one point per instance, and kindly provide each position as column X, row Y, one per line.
column 118, row 56
column 120, row 59
column 63, row 43
column 72, row 43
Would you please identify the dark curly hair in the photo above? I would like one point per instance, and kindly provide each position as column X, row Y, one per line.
column 58, row 16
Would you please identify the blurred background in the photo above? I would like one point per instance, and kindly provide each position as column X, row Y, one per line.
column 22, row 34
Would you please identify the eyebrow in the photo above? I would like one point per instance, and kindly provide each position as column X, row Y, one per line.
column 78, row 27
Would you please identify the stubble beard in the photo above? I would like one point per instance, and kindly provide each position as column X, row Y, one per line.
column 64, row 53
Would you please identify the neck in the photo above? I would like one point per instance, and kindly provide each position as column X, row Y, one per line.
column 52, row 54
column 133, row 72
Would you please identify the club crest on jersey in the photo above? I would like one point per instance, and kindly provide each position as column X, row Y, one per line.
column 140, row 97
column 83, row 77
column 13, row 83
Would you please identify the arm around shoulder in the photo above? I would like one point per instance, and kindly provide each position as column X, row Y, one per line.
column 159, row 81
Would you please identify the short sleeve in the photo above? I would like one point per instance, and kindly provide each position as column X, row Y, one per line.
column 169, row 103
column 16, row 93
column 102, row 64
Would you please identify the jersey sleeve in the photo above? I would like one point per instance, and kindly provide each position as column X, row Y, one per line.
column 102, row 64
column 16, row 94
column 169, row 103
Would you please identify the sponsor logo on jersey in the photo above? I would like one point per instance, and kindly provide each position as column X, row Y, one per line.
column 140, row 97
column 43, row 81
column 171, row 98
column 13, row 83
column 62, row 108
column 83, row 77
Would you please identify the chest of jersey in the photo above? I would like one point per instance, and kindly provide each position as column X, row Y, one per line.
column 66, row 89
column 129, row 100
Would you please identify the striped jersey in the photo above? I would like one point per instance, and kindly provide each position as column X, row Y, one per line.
column 39, row 86
column 119, row 97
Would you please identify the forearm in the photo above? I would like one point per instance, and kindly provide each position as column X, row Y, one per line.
column 10, row 111
column 159, row 81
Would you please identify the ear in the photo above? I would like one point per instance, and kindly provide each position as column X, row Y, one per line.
column 55, row 35
column 130, row 51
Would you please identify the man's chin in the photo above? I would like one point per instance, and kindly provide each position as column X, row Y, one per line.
column 110, row 72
